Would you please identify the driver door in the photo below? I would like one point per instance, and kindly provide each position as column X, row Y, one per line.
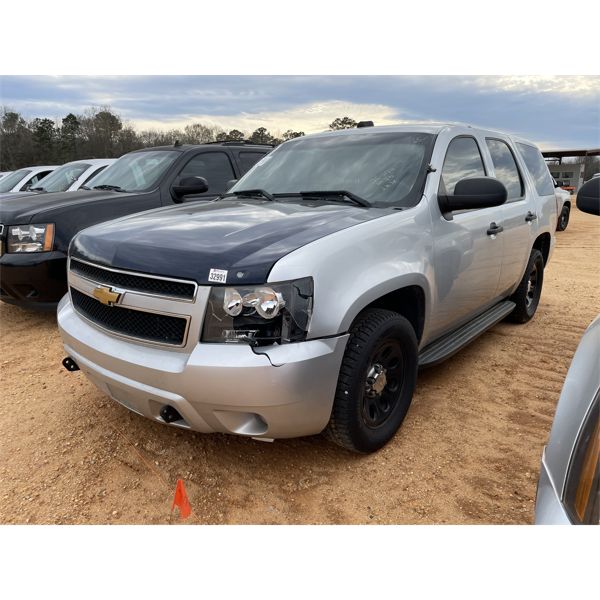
column 467, row 255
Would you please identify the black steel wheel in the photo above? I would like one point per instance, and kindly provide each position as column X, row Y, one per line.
column 563, row 218
column 376, row 382
column 527, row 296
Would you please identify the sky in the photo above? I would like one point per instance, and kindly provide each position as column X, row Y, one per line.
column 555, row 112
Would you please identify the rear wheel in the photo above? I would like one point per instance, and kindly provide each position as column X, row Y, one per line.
column 527, row 296
column 563, row 219
column 376, row 383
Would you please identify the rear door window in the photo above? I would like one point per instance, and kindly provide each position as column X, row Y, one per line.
column 505, row 168
column 536, row 165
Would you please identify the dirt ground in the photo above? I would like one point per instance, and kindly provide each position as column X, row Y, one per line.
column 468, row 452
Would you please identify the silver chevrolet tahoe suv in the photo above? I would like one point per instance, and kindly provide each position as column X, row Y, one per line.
column 307, row 297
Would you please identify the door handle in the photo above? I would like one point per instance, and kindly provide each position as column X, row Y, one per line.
column 494, row 229
column 530, row 217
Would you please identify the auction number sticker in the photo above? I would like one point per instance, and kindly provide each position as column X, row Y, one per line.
column 217, row 276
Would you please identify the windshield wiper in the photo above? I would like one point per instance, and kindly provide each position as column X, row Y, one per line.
column 84, row 187
column 37, row 189
column 254, row 193
column 105, row 186
column 336, row 194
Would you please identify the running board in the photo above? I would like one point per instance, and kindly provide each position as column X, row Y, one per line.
column 453, row 342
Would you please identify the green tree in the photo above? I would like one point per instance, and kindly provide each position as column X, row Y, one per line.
column 235, row 135
column 100, row 128
column 44, row 139
column 16, row 141
column 197, row 134
column 290, row 135
column 342, row 123
column 261, row 136
column 70, row 138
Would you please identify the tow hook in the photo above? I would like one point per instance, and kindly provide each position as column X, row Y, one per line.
column 169, row 414
column 69, row 364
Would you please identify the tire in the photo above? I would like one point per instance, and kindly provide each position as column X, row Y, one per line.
column 381, row 351
column 563, row 219
column 527, row 298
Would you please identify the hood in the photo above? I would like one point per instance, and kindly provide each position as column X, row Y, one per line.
column 244, row 238
column 21, row 208
column 18, row 194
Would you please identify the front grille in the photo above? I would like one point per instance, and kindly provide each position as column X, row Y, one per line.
column 137, row 283
column 132, row 323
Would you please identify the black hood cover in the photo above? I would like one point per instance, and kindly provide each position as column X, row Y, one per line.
column 18, row 209
column 244, row 238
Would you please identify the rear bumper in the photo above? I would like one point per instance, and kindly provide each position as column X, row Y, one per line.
column 33, row 280
column 225, row 388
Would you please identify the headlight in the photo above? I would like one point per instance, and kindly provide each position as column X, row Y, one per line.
column 30, row 238
column 259, row 315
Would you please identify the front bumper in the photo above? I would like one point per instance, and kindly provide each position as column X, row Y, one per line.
column 36, row 280
column 272, row 392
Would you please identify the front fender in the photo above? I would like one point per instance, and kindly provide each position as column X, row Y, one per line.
column 355, row 266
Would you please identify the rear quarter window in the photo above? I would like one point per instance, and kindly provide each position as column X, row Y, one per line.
column 536, row 165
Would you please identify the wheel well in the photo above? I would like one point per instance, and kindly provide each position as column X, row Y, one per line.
column 409, row 302
column 542, row 243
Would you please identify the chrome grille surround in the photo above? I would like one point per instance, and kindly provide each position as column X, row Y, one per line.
column 192, row 310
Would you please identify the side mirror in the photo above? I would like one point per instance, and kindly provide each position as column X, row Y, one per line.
column 230, row 184
column 474, row 192
column 189, row 185
column 588, row 197
column 558, row 183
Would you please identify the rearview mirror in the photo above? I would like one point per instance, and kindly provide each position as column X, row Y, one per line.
column 558, row 183
column 588, row 197
column 473, row 192
column 188, row 186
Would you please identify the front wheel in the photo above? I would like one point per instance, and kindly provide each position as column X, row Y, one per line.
column 376, row 382
column 527, row 295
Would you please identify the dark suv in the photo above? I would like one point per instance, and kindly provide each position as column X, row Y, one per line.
column 35, row 232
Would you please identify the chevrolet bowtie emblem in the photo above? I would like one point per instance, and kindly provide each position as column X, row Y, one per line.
column 106, row 295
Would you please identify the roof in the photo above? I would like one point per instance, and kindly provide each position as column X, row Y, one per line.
column 180, row 147
column 92, row 161
column 430, row 127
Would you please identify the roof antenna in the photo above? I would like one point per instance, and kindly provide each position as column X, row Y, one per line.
column 177, row 144
column 364, row 124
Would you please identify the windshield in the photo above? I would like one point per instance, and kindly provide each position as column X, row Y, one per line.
column 8, row 183
column 62, row 178
column 385, row 169
column 136, row 172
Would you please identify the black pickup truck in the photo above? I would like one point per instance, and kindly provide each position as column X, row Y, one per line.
column 35, row 232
